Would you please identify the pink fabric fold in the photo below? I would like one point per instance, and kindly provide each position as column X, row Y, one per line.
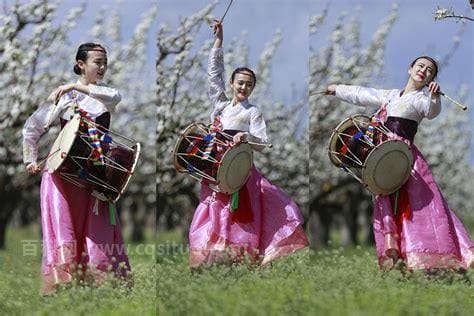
column 272, row 230
column 432, row 236
column 77, row 243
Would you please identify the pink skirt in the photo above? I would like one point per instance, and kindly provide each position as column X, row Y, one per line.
column 425, row 233
column 265, row 226
column 77, row 244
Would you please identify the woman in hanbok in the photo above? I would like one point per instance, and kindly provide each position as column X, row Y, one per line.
column 267, row 224
column 422, row 231
column 80, row 239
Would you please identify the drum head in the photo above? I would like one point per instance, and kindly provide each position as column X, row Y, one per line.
column 235, row 168
column 335, row 142
column 387, row 167
column 182, row 144
column 63, row 144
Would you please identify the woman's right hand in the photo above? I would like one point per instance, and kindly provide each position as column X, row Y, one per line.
column 219, row 32
column 331, row 89
column 33, row 168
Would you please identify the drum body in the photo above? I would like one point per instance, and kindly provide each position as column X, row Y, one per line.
column 76, row 157
column 207, row 156
column 362, row 147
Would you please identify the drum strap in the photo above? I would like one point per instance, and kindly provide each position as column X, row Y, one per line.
column 210, row 145
column 215, row 127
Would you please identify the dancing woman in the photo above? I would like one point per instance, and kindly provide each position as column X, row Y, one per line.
column 79, row 240
column 267, row 224
column 422, row 231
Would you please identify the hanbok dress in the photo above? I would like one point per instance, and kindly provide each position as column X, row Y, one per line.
column 267, row 224
column 80, row 242
column 423, row 231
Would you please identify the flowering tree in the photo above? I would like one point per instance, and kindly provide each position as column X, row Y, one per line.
column 36, row 55
column 442, row 13
column 182, row 99
column 336, row 198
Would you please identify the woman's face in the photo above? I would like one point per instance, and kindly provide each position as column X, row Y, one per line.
column 242, row 86
column 94, row 68
column 422, row 71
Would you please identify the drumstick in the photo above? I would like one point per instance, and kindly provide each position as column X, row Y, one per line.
column 227, row 9
column 218, row 22
column 260, row 144
column 318, row 92
column 42, row 161
column 461, row 106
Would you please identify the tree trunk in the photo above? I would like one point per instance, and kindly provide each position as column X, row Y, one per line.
column 3, row 233
column 138, row 221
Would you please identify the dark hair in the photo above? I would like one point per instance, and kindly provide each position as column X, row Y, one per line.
column 244, row 70
column 82, row 53
column 435, row 72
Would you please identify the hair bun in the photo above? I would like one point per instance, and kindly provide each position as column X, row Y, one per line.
column 77, row 70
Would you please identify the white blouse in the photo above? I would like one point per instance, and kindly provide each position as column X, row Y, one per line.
column 242, row 116
column 100, row 100
column 414, row 105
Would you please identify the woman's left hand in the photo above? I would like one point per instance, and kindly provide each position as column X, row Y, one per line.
column 239, row 138
column 60, row 91
column 434, row 87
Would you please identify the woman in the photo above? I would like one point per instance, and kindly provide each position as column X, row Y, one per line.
column 422, row 230
column 267, row 223
column 79, row 239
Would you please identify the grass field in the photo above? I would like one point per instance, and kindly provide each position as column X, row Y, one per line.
column 20, row 282
column 327, row 282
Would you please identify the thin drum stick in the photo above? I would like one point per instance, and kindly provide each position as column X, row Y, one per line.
column 318, row 92
column 227, row 9
column 260, row 144
column 461, row 106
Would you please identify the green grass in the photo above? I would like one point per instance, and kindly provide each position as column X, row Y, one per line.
column 327, row 282
column 20, row 283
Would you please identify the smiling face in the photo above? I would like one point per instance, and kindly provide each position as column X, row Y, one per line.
column 242, row 86
column 93, row 69
column 422, row 72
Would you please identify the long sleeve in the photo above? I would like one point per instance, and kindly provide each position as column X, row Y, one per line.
column 34, row 127
column 215, row 72
column 257, row 127
column 110, row 97
column 427, row 106
column 37, row 124
column 367, row 97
